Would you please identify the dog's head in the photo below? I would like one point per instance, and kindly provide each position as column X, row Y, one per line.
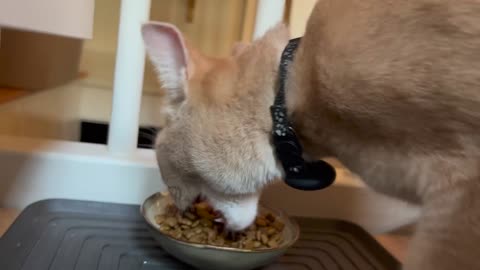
column 216, row 143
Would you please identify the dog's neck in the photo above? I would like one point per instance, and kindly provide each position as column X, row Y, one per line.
column 299, row 174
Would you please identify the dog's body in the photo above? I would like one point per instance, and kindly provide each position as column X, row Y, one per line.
column 390, row 88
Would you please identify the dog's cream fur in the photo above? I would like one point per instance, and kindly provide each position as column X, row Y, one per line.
column 389, row 87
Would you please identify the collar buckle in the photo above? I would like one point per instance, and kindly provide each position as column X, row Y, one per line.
column 298, row 173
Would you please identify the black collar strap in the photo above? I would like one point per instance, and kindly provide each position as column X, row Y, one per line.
column 299, row 174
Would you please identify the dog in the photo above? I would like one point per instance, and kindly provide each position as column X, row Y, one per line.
column 390, row 88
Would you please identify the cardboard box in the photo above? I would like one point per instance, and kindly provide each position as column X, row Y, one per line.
column 34, row 61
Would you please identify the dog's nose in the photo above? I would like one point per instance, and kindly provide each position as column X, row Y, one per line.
column 240, row 219
column 239, row 213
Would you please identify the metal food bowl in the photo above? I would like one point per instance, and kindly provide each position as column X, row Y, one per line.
column 206, row 257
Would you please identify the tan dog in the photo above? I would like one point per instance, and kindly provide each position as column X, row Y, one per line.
column 390, row 88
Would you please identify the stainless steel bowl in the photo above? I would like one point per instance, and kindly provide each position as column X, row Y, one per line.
column 208, row 257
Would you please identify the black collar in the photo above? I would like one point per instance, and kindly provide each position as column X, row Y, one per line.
column 299, row 174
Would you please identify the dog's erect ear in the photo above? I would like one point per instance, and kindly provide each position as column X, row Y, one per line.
column 168, row 53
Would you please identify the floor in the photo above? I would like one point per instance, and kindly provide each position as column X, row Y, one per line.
column 395, row 244
column 9, row 94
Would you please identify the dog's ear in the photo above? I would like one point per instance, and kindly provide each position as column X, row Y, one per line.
column 168, row 53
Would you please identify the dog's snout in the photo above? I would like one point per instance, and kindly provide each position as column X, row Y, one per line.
column 238, row 213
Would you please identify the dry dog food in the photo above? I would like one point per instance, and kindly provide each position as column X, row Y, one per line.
column 200, row 225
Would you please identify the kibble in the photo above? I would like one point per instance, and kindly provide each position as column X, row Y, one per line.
column 200, row 225
column 171, row 221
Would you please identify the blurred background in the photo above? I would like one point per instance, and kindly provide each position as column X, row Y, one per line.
column 57, row 83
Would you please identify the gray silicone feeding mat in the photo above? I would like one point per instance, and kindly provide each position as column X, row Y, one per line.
column 78, row 235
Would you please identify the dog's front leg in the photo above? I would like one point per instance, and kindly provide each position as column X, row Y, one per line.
column 448, row 233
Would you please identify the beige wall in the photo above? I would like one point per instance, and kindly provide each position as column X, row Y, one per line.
column 299, row 15
column 216, row 25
